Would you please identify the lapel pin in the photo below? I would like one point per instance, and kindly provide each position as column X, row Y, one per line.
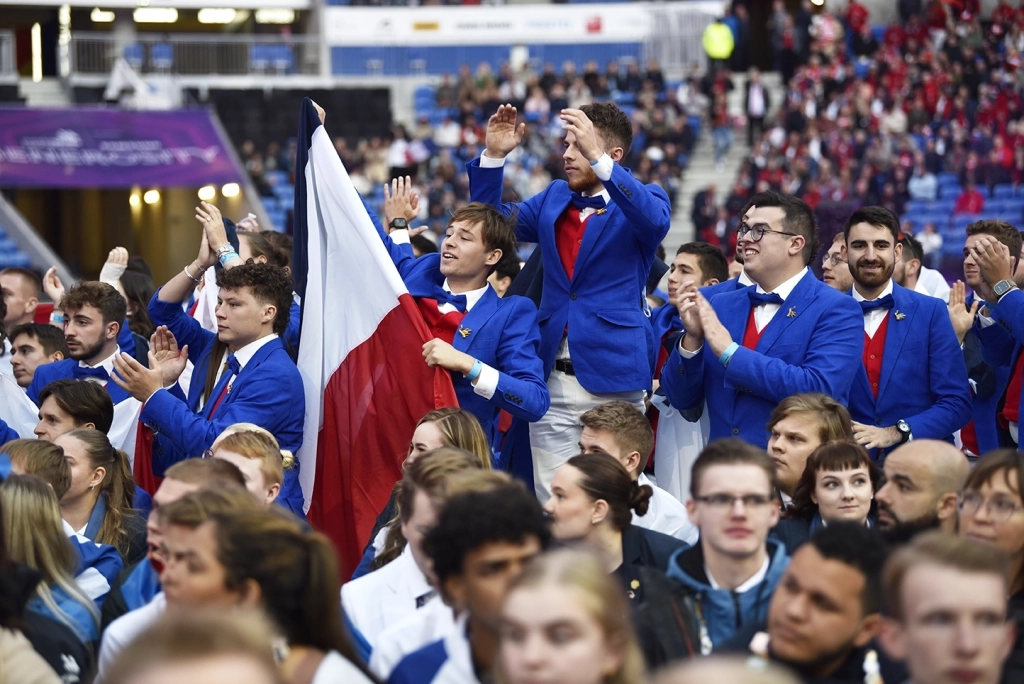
column 792, row 312
column 900, row 315
column 464, row 332
column 601, row 211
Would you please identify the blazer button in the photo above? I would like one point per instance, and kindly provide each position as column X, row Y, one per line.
column 735, row 431
column 572, row 295
column 878, row 421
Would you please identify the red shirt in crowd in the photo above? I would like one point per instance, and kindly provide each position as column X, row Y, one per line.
column 969, row 202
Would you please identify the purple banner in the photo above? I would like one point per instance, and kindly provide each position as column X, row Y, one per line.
column 110, row 148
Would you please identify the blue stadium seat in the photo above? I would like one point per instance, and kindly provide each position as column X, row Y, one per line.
column 1003, row 191
column 947, row 178
column 950, row 192
column 276, row 177
column 134, row 55
column 162, row 56
column 282, row 57
column 260, row 57
column 424, row 92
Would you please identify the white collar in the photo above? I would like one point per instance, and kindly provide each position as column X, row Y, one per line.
column 603, row 195
column 106, row 364
column 472, row 297
column 786, row 288
column 754, row 580
column 887, row 291
column 744, row 279
column 245, row 354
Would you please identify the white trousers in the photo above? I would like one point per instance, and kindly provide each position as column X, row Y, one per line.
column 555, row 438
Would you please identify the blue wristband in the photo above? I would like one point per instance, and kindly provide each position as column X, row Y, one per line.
column 595, row 163
column 727, row 354
column 228, row 256
column 474, row 372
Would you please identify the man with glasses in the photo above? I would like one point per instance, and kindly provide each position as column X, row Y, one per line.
column 733, row 569
column 835, row 272
column 913, row 381
column 747, row 350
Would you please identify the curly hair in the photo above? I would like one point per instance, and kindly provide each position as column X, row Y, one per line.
column 102, row 296
column 268, row 284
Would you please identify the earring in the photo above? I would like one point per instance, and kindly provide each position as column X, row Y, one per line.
column 92, row 487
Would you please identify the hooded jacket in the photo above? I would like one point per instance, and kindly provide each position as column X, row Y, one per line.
column 721, row 612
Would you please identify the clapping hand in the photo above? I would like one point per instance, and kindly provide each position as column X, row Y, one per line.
column 213, row 226
column 715, row 334
column 960, row 316
column 52, row 286
column 503, row 135
column 136, row 379
column 169, row 359
column 401, row 201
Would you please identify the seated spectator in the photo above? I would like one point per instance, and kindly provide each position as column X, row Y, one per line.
column 970, row 200
column 567, row 590
column 32, row 345
column 931, row 246
column 838, row 485
column 923, row 185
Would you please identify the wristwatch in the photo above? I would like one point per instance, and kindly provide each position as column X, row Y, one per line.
column 904, row 430
column 1002, row 287
column 399, row 224
column 226, row 248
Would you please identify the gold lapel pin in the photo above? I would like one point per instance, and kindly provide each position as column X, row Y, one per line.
column 900, row 315
column 792, row 312
column 600, row 211
column 464, row 332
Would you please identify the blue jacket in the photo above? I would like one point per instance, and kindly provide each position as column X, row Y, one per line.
column 500, row 331
column 64, row 370
column 814, row 343
column 610, row 336
column 1002, row 343
column 7, row 433
column 77, row 616
column 141, row 585
column 722, row 611
column 268, row 392
column 924, row 379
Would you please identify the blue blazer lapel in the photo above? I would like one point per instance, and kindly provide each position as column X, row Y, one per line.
column 475, row 319
column 257, row 359
column 796, row 303
column 117, row 395
column 896, row 334
column 733, row 309
column 595, row 225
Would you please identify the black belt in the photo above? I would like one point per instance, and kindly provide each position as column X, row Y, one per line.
column 564, row 365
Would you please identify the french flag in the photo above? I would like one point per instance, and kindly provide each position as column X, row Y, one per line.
column 360, row 351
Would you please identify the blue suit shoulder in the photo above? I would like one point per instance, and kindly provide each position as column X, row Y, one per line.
column 47, row 373
column 420, row 666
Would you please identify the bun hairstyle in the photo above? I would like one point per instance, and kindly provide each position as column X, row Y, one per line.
column 603, row 477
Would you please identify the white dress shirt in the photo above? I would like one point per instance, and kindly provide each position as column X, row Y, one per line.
column 873, row 319
column 665, row 514
column 751, row 583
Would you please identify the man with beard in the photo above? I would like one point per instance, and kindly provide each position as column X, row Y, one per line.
column 826, row 609
column 913, row 381
column 835, row 271
column 598, row 236
column 94, row 313
column 922, row 480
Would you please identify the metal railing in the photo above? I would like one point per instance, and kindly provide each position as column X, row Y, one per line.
column 196, row 55
column 7, row 54
column 676, row 34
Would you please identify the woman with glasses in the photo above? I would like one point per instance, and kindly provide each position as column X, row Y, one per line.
column 838, row 484
column 992, row 512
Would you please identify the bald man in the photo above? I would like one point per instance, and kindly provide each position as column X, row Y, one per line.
column 726, row 670
column 922, row 479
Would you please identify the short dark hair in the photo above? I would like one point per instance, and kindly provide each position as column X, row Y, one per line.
column 730, row 451
column 712, row 262
column 268, row 284
column 1002, row 231
column 628, row 425
column 102, row 296
column 612, row 123
column 282, row 244
column 861, row 548
column 798, row 218
column 30, row 276
column 912, row 248
column 426, row 246
column 497, row 230
column 84, row 401
column 508, row 267
column 874, row 216
column 207, row 472
column 469, row 521
column 50, row 337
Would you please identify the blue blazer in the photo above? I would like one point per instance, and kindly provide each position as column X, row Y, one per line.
column 604, row 305
column 63, row 370
column 1001, row 345
column 503, row 334
column 924, row 378
column 813, row 344
column 268, row 392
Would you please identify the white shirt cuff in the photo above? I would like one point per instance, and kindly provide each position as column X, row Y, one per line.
column 604, row 167
column 688, row 354
column 985, row 321
column 400, row 236
column 487, row 384
column 489, row 163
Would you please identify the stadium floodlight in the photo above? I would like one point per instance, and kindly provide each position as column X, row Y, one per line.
column 819, row 3
column 151, row 197
column 217, row 15
column 230, row 190
column 275, row 15
column 99, row 16
column 207, row 193
column 155, row 15
column 134, row 200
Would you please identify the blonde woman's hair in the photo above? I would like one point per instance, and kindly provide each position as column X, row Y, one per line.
column 287, row 457
column 34, row 535
column 461, row 430
column 583, row 578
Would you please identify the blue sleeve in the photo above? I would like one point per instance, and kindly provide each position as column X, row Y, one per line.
column 1009, row 314
column 683, row 380
column 359, row 642
column 142, row 502
column 833, row 358
column 365, row 566
column 186, row 330
column 522, row 390
column 101, row 558
column 125, row 340
column 485, row 186
column 952, row 407
column 402, row 258
column 646, row 206
column 7, row 433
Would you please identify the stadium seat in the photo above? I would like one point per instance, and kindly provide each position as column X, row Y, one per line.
column 1003, row 191
column 259, row 57
column 134, row 55
column 950, row 192
column 947, row 178
column 283, row 59
column 162, row 56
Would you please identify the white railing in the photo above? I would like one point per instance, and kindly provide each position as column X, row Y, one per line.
column 7, row 54
column 197, row 55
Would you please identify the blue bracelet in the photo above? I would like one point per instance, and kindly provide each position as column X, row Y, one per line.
column 474, row 372
column 727, row 354
column 228, row 256
column 595, row 163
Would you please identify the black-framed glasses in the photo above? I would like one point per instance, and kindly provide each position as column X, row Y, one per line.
column 999, row 509
column 758, row 230
column 726, row 502
column 833, row 260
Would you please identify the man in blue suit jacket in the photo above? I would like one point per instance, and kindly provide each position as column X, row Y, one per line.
column 598, row 235
column 747, row 350
column 492, row 351
column 253, row 380
column 913, row 381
